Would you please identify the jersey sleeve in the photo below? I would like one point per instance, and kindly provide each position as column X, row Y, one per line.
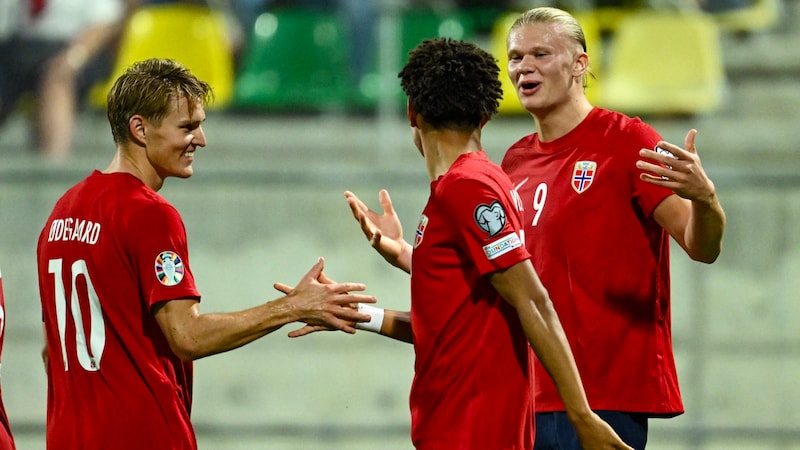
column 161, row 255
column 488, row 224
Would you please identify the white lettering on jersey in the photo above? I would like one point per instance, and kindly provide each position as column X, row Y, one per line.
column 74, row 229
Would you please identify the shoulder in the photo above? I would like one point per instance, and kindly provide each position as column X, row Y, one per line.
column 627, row 129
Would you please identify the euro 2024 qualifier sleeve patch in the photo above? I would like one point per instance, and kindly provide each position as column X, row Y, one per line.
column 169, row 268
column 491, row 218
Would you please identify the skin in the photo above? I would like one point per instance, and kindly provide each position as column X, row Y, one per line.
column 547, row 68
column 156, row 151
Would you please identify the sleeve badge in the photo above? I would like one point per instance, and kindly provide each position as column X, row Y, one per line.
column 169, row 268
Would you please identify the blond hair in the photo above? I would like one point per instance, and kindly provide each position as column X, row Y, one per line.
column 550, row 15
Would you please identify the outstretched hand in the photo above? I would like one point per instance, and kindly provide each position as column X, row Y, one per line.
column 323, row 304
column 383, row 231
column 680, row 171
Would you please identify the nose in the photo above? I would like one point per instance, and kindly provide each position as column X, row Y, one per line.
column 526, row 64
column 200, row 137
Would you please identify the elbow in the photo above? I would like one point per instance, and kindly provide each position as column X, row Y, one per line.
column 186, row 349
column 707, row 256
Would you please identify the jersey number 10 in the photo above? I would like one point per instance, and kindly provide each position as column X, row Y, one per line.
column 89, row 352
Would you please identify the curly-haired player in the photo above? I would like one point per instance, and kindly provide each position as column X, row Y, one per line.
column 476, row 300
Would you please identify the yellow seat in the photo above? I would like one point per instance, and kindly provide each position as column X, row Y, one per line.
column 194, row 35
column 664, row 63
column 510, row 104
column 760, row 16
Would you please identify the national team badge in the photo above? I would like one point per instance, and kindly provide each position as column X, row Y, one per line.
column 491, row 218
column 583, row 175
column 423, row 223
column 169, row 268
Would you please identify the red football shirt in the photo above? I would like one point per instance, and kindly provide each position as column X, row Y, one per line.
column 6, row 438
column 603, row 259
column 472, row 387
column 111, row 249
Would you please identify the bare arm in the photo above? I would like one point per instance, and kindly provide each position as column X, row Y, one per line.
column 694, row 216
column 397, row 325
column 520, row 286
column 193, row 335
column 45, row 350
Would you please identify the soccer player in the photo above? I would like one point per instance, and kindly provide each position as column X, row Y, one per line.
column 6, row 438
column 121, row 311
column 601, row 195
column 476, row 301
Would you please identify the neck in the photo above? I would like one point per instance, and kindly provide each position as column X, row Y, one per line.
column 126, row 161
column 555, row 122
column 442, row 147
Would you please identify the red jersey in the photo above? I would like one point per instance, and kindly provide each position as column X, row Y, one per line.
column 603, row 259
column 6, row 438
column 472, row 387
column 112, row 249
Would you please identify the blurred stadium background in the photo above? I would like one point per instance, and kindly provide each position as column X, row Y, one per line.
column 266, row 201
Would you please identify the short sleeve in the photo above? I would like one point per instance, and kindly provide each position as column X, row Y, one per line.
column 487, row 222
column 161, row 255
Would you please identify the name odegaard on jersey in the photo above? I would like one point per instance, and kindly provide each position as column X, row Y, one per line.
column 502, row 246
column 74, row 229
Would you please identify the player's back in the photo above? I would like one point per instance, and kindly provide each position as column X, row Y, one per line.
column 113, row 381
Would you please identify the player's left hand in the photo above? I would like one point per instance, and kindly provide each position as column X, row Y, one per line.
column 308, row 329
column 677, row 169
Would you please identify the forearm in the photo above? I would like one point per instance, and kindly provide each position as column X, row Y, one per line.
column 196, row 335
column 549, row 342
column 404, row 258
column 705, row 229
column 520, row 286
column 387, row 322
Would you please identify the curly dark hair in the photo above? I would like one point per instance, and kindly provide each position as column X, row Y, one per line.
column 451, row 84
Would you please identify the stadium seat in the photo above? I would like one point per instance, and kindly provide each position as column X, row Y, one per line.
column 415, row 26
column 295, row 59
column 760, row 16
column 509, row 104
column 664, row 63
column 194, row 35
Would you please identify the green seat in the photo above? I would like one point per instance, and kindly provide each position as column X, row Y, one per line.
column 294, row 60
column 414, row 26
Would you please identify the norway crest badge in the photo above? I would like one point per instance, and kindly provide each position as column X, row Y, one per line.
column 583, row 175
column 423, row 223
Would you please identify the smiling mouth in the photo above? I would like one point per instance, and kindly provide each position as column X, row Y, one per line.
column 526, row 85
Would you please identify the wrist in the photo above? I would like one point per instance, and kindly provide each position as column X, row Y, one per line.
column 376, row 318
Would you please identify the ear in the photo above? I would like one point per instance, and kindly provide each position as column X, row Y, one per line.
column 581, row 65
column 412, row 116
column 136, row 128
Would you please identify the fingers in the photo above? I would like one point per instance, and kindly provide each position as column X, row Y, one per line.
column 316, row 269
column 688, row 142
column 324, row 279
column 306, row 330
column 356, row 205
column 283, row 288
column 386, row 202
column 689, row 146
